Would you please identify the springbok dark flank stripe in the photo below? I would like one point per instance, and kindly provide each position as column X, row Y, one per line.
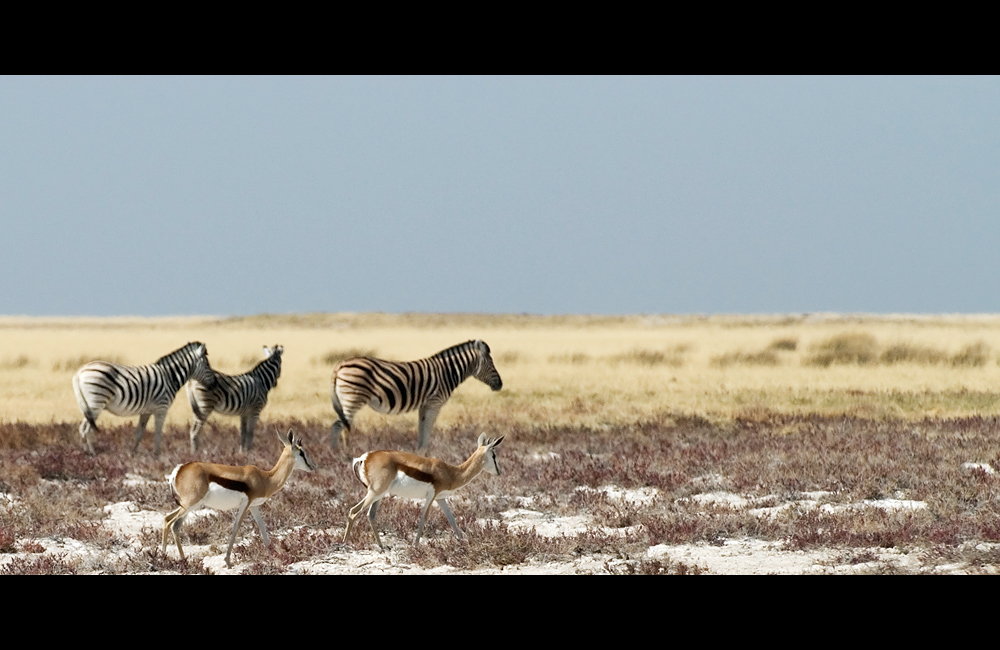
column 229, row 484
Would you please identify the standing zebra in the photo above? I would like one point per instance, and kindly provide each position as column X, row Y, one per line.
column 243, row 395
column 137, row 390
column 402, row 386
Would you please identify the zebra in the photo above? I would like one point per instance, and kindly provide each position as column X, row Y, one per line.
column 402, row 386
column 137, row 390
column 243, row 395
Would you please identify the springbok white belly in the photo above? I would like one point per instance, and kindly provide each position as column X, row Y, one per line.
column 220, row 498
column 410, row 488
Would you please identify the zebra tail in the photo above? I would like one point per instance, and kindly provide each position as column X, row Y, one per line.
column 337, row 406
column 81, row 399
column 193, row 400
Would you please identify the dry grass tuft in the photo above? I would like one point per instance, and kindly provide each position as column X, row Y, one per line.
column 73, row 364
column 574, row 358
column 911, row 353
column 333, row 357
column 508, row 357
column 857, row 347
column 673, row 357
column 18, row 362
column 766, row 357
column 784, row 345
column 976, row 354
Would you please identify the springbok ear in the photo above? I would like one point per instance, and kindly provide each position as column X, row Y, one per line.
column 496, row 443
column 482, row 438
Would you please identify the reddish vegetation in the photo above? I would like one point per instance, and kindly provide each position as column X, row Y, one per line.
column 59, row 491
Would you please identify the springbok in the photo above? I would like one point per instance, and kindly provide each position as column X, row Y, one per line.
column 418, row 477
column 224, row 487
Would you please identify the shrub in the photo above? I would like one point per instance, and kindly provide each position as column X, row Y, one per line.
column 785, row 345
column 333, row 357
column 859, row 347
column 21, row 361
column 74, row 363
column 672, row 357
column 574, row 358
column 975, row 354
column 35, row 566
column 909, row 353
column 508, row 358
column 766, row 357
column 7, row 539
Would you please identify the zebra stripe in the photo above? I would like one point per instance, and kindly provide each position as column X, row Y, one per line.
column 394, row 387
column 243, row 395
column 137, row 390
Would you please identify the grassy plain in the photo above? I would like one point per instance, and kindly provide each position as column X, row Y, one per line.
column 786, row 444
column 557, row 371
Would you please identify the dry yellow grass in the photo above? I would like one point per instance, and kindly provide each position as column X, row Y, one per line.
column 558, row 370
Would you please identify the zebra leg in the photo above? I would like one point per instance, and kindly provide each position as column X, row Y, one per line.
column 84, row 433
column 140, row 431
column 159, row 419
column 428, row 414
column 196, row 433
column 243, row 433
column 248, row 430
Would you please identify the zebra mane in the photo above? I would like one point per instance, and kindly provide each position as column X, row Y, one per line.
column 185, row 352
column 269, row 366
column 461, row 347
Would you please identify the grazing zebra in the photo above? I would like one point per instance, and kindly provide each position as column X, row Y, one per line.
column 137, row 390
column 402, row 386
column 243, row 395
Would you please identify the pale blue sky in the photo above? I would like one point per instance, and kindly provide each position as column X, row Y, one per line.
column 230, row 196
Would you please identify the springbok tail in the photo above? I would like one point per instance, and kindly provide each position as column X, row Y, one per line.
column 357, row 465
